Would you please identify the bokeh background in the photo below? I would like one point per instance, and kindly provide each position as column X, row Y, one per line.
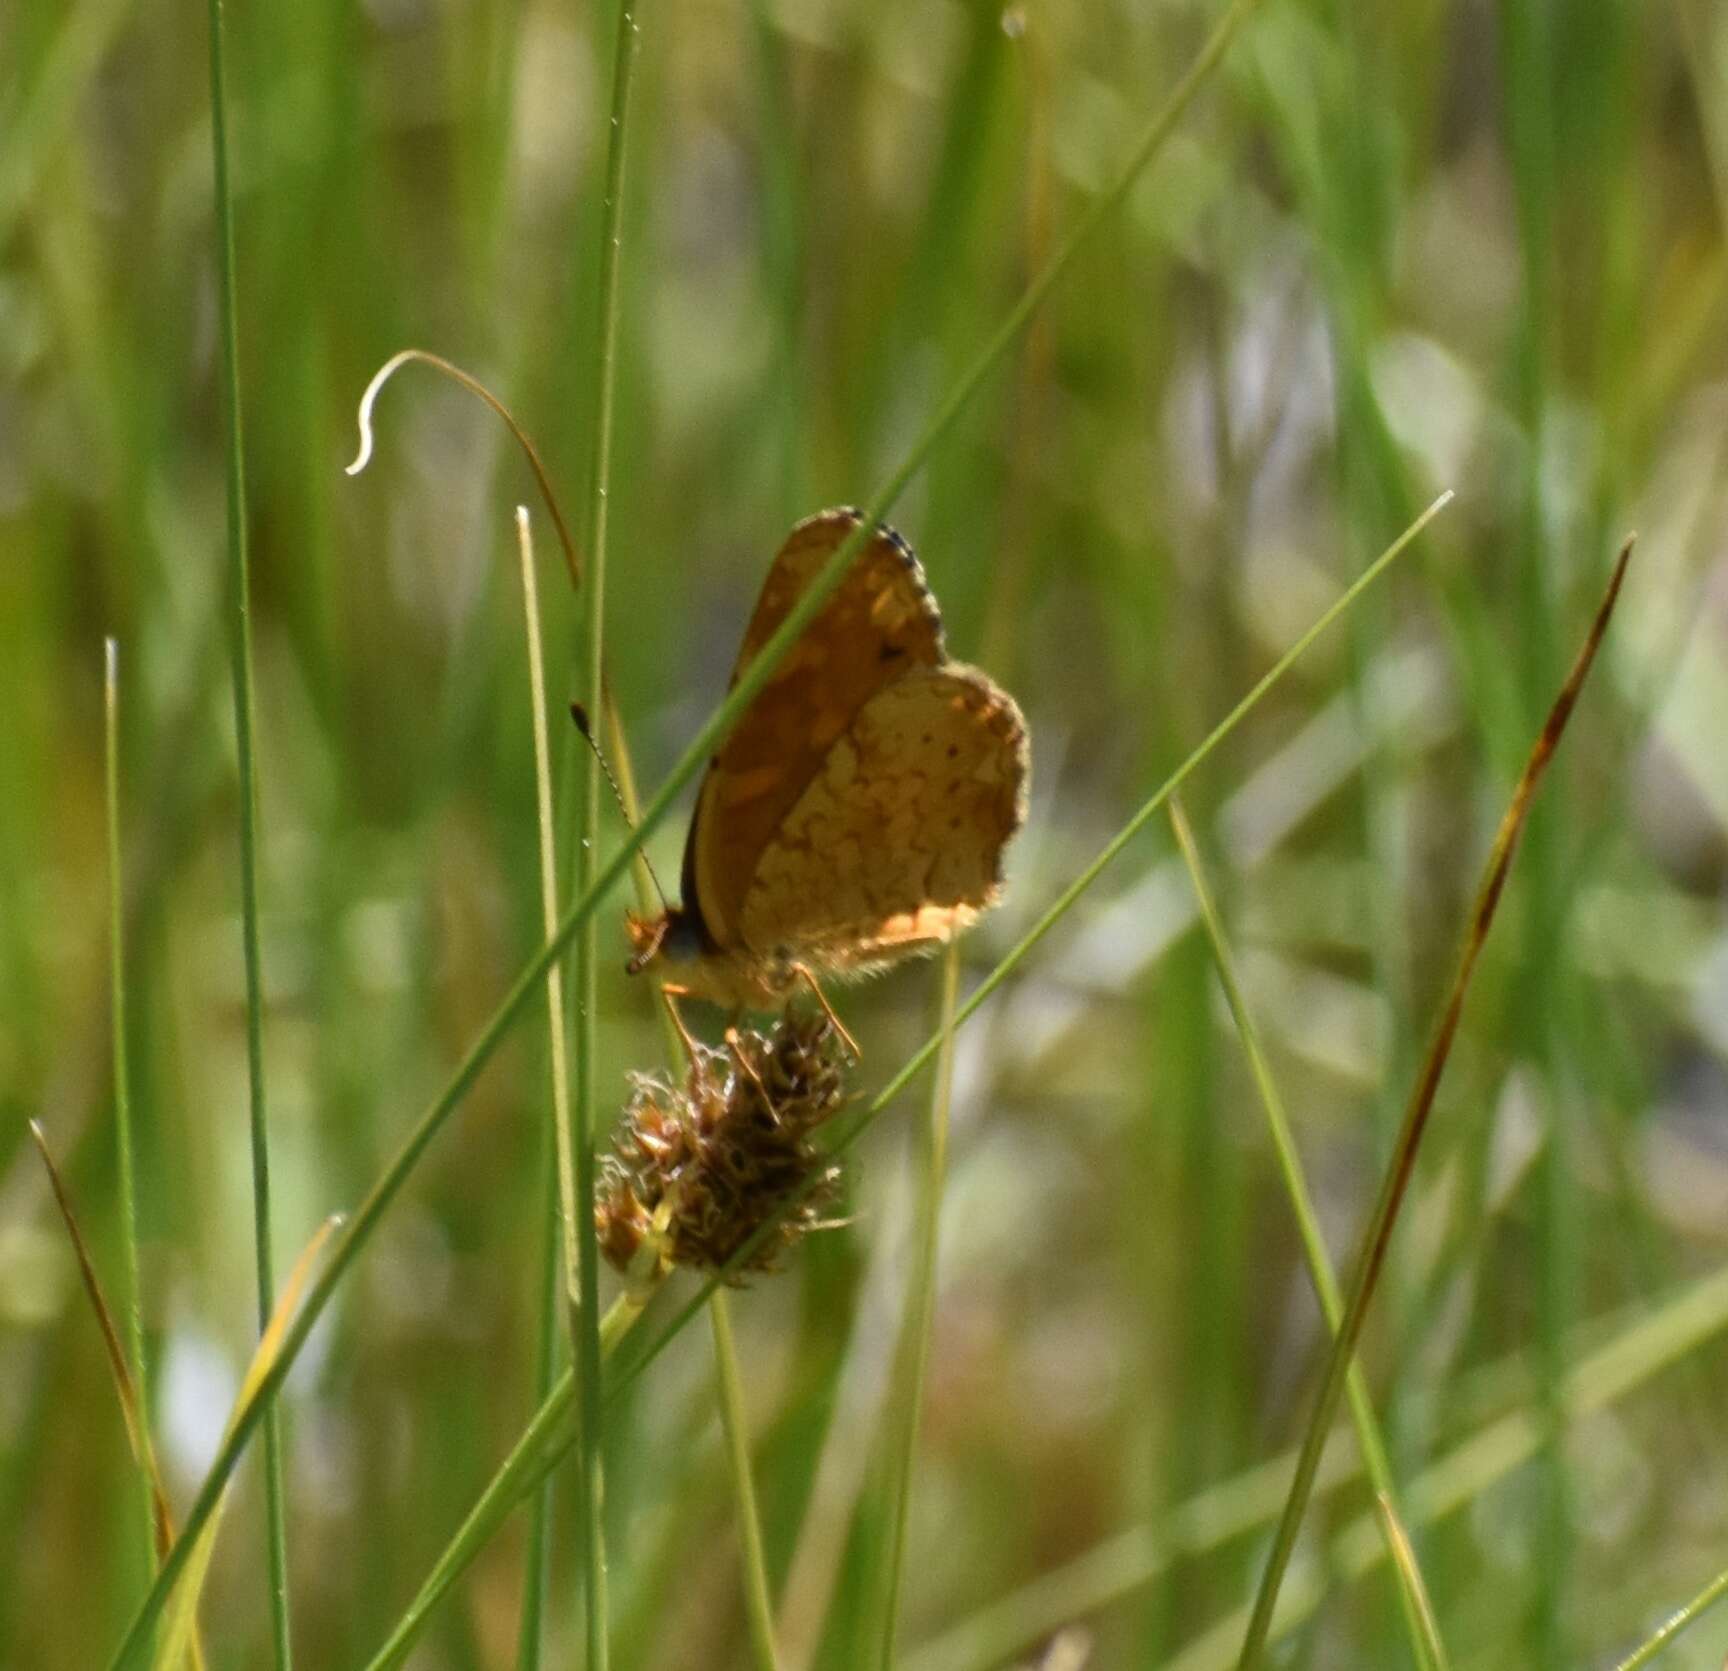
column 1391, row 250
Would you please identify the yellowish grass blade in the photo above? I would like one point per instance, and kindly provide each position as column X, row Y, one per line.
column 176, row 1646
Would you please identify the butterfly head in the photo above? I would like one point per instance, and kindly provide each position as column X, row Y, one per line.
column 676, row 935
column 677, row 946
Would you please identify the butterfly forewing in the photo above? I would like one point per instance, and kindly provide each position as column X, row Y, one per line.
column 879, row 625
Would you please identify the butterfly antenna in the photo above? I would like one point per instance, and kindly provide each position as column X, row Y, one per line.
column 580, row 714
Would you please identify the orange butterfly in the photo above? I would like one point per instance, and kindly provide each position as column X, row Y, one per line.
column 858, row 812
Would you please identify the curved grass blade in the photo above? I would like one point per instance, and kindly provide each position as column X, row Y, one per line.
column 1397, row 1181
column 424, row 356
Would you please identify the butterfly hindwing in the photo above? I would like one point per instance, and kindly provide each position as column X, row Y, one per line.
column 879, row 624
column 897, row 840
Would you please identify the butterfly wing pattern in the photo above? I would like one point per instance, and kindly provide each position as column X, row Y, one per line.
column 859, row 809
column 897, row 843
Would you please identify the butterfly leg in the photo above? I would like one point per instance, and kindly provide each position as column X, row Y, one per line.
column 748, row 1068
column 803, row 972
column 669, row 995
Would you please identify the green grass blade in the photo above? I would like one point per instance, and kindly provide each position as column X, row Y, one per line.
column 515, row 1476
column 240, row 651
column 125, row 1147
column 1682, row 1619
column 532, row 1458
column 587, row 951
column 758, row 1605
column 178, row 1647
column 1418, row 1611
column 912, row 1358
column 537, row 1558
column 559, row 1176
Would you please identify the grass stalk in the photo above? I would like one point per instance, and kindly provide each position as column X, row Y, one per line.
column 359, row 1228
column 537, row 1557
column 240, row 651
column 125, row 1147
column 1418, row 1612
column 734, row 1422
column 912, row 1358
column 1677, row 1622
column 1396, row 1184
column 587, row 951
column 561, row 1181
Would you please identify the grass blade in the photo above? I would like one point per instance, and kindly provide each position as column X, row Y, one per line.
column 405, row 356
column 240, row 652
column 912, row 1358
column 132, row 1410
column 1419, row 1617
column 125, row 1147
column 1676, row 1622
column 532, row 1458
column 1430, row 1648
column 179, row 1632
column 758, row 1605
column 587, row 951
column 561, row 1178
column 1398, row 1174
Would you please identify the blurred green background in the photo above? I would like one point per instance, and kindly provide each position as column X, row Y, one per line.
column 1391, row 250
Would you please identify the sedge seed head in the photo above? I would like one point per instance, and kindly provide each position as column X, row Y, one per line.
column 697, row 1168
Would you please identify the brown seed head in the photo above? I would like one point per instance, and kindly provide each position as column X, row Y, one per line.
column 697, row 1169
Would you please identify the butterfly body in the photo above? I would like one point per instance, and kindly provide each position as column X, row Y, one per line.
column 858, row 812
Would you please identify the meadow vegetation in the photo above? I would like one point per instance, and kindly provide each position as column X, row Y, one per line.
column 1049, row 1361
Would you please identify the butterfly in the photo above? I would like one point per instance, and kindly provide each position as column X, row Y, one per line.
column 859, row 809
